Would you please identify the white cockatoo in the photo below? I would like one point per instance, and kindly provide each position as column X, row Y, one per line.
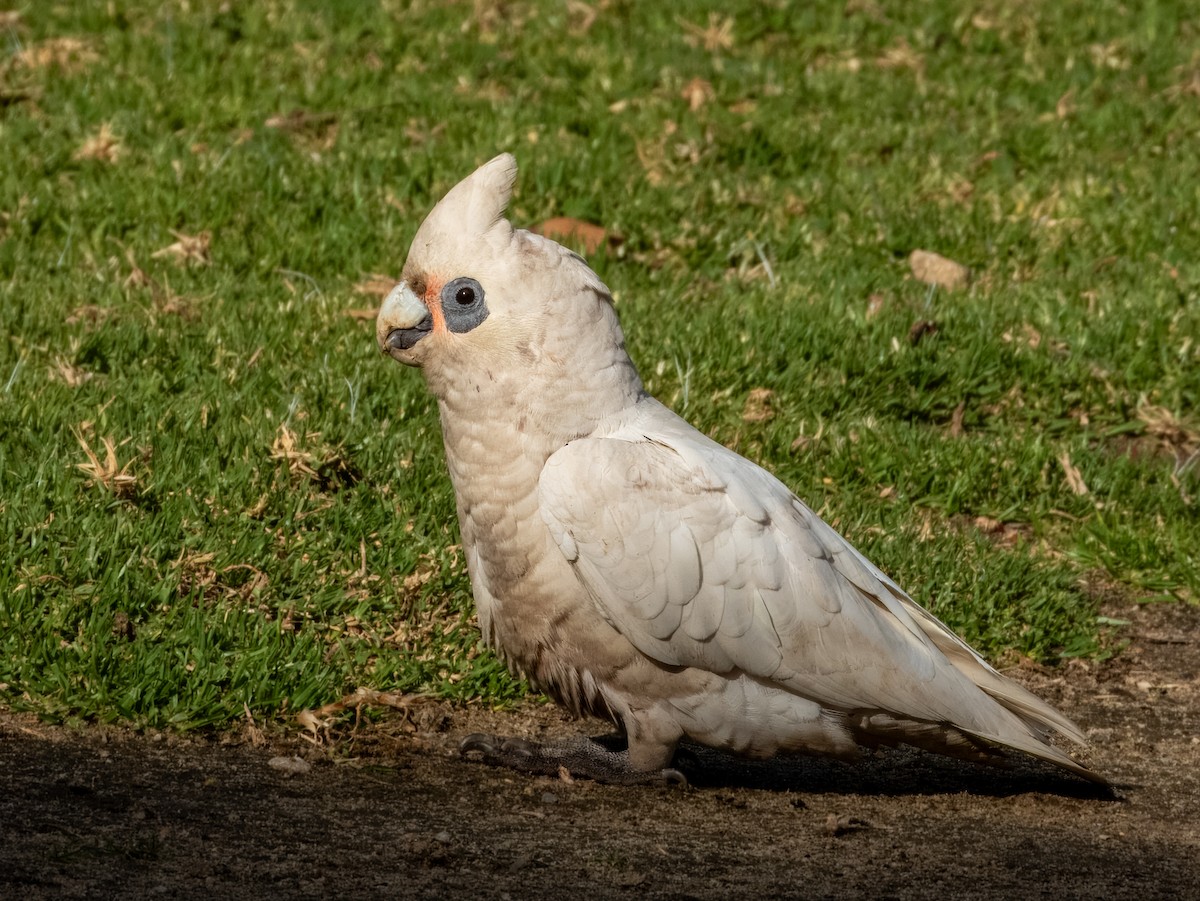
column 635, row 570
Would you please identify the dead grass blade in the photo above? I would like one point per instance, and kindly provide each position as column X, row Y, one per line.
column 188, row 249
column 697, row 92
column 318, row 723
column 376, row 285
column 1074, row 478
column 578, row 233
column 935, row 269
column 759, row 405
column 196, row 573
column 102, row 147
column 716, row 35
column 65, row 54
column 1172, row 432
column 72, row 376
column 107, row 473
column 373, row 285
column 307, row 457
column 314, row 131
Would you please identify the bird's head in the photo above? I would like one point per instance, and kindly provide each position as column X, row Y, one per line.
column 461, row 245
column 480, row 298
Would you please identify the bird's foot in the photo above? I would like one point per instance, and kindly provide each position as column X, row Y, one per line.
column 578, row 757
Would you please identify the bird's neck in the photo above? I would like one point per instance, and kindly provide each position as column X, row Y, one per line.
column 514, row 418
column 534, row 409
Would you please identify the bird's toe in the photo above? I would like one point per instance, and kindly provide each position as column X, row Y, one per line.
column 671, row 776
column 480, row 743
column 519, row 748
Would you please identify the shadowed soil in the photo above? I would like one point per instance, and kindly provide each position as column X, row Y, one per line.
column 388, row 809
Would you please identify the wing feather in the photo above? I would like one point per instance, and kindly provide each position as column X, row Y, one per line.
column 702, row 559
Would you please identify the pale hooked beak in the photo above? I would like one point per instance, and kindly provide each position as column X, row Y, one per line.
column 403, row 321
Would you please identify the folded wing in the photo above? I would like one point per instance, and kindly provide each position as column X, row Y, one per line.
column 702, row 559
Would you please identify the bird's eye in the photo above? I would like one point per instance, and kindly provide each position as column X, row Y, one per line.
column 463, row 304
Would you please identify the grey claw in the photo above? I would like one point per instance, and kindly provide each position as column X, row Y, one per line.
column 518, row 746
column 581, row 757
column 493, row 748
column 478, row 741
column 673, row 777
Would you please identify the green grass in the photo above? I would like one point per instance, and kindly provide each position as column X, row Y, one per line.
column 1049, row 147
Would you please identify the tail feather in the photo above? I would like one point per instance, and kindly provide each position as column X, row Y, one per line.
column 880, row 728
column 1039, row 719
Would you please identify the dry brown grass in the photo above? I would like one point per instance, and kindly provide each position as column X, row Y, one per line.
column 305, row 456
column 102, row 147
column 196, row 573
column 188, row 249
column 65, row 54
column 108, row 473
column 1173, row 432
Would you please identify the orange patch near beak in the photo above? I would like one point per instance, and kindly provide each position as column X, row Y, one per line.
column 433, row 300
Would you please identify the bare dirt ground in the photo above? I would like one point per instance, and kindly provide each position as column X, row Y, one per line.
column 392, row 811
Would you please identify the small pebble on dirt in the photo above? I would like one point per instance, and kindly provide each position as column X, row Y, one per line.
column 290, row 766
column 935, row 269
column 842, row 825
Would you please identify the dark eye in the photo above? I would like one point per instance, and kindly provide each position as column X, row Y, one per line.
column 463, row 304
